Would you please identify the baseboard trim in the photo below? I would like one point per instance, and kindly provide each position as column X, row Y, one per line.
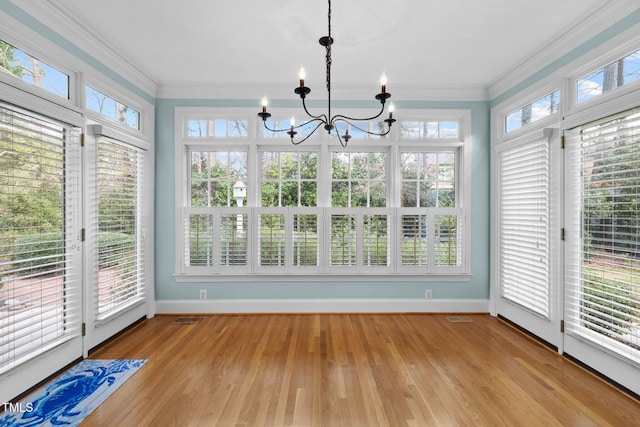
column 365, row 305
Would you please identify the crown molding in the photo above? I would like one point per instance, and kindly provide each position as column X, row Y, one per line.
column 590, row 25
column 339, row 92
column 59, row 20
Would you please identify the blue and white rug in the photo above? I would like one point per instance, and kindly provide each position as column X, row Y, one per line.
column 72, row 396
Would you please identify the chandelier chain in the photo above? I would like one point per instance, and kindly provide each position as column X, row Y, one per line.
column 327, row 121
column 328, row 50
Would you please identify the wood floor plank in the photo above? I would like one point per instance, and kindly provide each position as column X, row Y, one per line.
column 351, row 370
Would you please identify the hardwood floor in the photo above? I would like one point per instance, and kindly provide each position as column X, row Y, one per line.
column 351, row 370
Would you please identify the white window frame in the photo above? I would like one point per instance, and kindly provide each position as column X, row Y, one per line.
column 323, row 144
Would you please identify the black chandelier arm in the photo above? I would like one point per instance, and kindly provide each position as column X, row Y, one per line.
column 387, row 121
column 320, row 120
column 347, row 118
column 323, row 117
column 309, row 135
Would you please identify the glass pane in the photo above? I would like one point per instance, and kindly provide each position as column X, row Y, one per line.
column 199, row 193
column 270, row 194
column 449, row 130
column 375, row 240
column 359, row 165
column 289, row 165
column 272, row 240
column 618, row 73
column 414, row 240
column 530, row 113
column 233, row 240
column 220, row 193
column 343, row 240
column 446, row 240
column 289, row 196
column 428, row 195
column 410, row 130
column 112, row 109
column 308, row 193
column 237, row 128
column 340, row 194
column 197, row 128
column 33, row 71
column 339, row 165
column 308, row 165
column 305, row 240
column 359, row 194
column 378, row 195
column 377, row 166
column 409, row 194
column 431, row 130
column 408, row 165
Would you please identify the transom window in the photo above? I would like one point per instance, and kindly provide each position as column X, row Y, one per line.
column 530, row 113
column 31, row 70
column 217, row 128
column 108, row 107
column 378, row 208
column 618, row 73
column 431, row 129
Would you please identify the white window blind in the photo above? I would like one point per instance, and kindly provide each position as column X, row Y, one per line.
column 524, row 225
column 39, row 235
column 309, row 240
column 121, row 256
column 602, row 294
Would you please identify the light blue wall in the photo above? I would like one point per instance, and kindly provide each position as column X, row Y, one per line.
column 168, row 289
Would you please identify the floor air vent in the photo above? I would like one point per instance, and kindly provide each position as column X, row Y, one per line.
column 459, row 319
column 187, row 320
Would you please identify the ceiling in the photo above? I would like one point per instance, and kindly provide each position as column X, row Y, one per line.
column 422, row 44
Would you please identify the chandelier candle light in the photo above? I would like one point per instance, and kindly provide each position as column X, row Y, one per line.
column 328, row 120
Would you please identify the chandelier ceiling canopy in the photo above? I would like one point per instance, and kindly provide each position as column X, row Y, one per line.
column 327, row 121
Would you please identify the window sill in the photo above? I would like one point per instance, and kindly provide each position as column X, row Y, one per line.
column 209, row 278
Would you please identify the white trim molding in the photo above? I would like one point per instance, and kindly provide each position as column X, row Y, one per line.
column 347, row 305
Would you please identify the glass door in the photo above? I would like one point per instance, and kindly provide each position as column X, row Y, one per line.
column 40, row 248
column 525, row 252
column 115, row 243
column 602, row 252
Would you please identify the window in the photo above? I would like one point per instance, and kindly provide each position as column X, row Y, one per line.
column 112, row 109
column 216, row 128
column 213, row 175
column 616, row 74
column 358, row 179
column 428, row 179
column 39, row 229
column 120, row 281
column 430, row 130
column 603, row 264
column 379, row 207
column 530, row 113
column 25, row 67
column 289, row 178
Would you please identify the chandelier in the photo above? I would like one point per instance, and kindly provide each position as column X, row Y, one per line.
column 328, row 121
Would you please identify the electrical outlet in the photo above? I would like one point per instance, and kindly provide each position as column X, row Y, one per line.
column 428, row 294
column 203, row 294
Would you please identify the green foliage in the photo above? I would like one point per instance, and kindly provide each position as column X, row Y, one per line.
column 37, row 254
column 609, row 305
column 109, row 243
column 44, row 253
column 7, row 59
column 611, row 205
